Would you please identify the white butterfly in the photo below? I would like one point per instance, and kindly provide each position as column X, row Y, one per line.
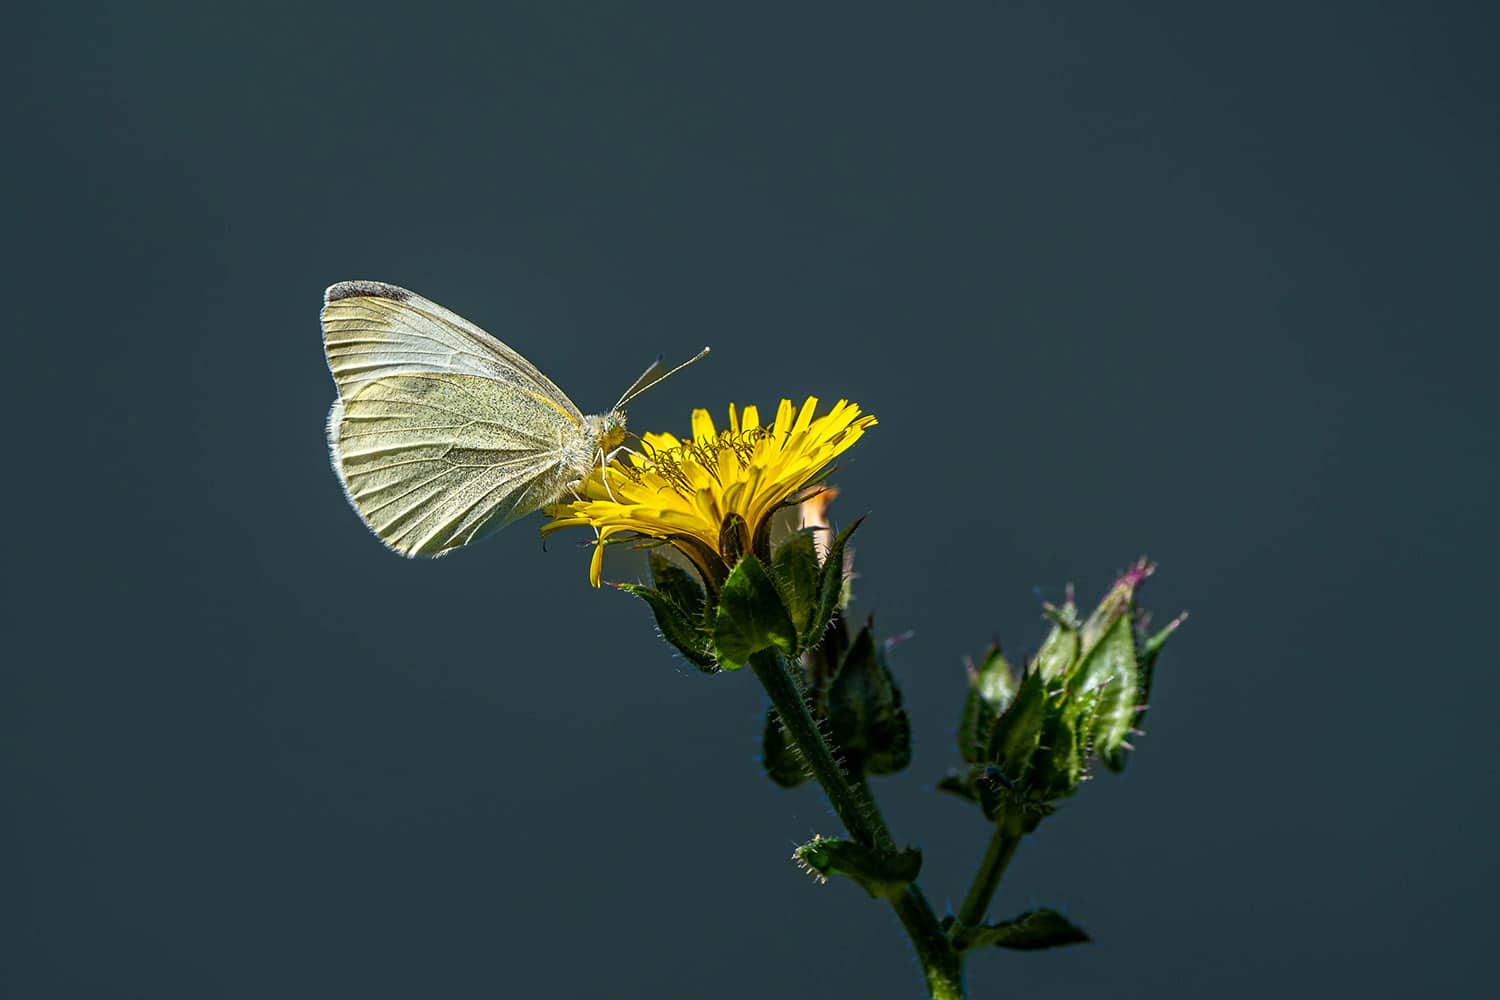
column 441, row 434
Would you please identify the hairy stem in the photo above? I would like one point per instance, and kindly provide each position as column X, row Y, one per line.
column 1003, row 844
column 855, row 807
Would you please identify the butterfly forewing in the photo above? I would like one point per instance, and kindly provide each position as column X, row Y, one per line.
column 371, row 329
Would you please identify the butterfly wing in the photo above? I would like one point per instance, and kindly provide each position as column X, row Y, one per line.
column 434, row 460
column 371, row 329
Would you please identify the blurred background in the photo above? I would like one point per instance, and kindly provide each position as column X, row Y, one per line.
column 1214, row 283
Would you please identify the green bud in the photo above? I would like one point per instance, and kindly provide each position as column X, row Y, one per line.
column 1029, row 743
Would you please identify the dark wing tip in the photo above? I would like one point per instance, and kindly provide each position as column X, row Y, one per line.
column 365, row 289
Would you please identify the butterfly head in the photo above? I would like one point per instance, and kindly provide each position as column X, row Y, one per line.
column 606, row 430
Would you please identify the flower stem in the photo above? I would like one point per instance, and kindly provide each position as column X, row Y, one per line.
column 1003, row 844
column 852, row 802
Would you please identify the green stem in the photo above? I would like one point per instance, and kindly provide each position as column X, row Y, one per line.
column 1003, row 844
column 852, row 802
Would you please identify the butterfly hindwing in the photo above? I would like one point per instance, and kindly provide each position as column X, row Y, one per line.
column 433, row 460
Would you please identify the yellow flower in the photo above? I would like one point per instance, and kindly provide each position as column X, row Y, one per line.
column 712, row 496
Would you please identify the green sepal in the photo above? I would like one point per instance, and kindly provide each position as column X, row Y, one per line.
column 1031, row 931
column 751, row 617
column 865, row 716
column 884, row 876
column 1106, row 688
column 680, row 585
column 795, row 568
column 678, row 626
column 1018, row 732
column 782, row 762
column 832, row 587
column 1060, row 759
column 1058, row 653
column 992, row 686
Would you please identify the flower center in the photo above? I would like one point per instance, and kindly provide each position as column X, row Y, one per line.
column 712, row 455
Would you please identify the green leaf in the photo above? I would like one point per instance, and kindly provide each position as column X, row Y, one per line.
column 795, row 567
column 831, row 587
column 677, row 627
column 751, row 617
column 991, row 687
column 960, row 785
column 884, row 876
column 1106, row 687
column 865, row 715
column 1031, row 931
column 782, row 762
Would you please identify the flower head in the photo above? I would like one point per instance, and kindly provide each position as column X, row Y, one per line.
column 712, row 495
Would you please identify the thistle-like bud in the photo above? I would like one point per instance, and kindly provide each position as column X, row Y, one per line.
column 1029, row 737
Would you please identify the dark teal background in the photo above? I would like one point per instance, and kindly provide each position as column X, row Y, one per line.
column 1213, row 282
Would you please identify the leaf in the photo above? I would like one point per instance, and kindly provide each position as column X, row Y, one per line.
column 782, row 762
column 865, row 715
column 884, row 876
column 676, row 627
column 795, row 568
column 1031, row 931
column 751, row 617
column 830, row 587
column 959, row 785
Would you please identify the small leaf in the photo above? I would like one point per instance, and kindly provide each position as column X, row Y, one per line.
column 865, row 715
column 782, row 762
column 884, row 876
column 795, row 568
column 831, row 582
column 676, row 627
column 751, row 617
column 959, row 785
column 1031, row 931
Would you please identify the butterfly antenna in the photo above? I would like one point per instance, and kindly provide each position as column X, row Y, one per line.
column 649, row 377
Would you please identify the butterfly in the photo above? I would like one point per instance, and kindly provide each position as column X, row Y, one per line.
column 442, row 435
